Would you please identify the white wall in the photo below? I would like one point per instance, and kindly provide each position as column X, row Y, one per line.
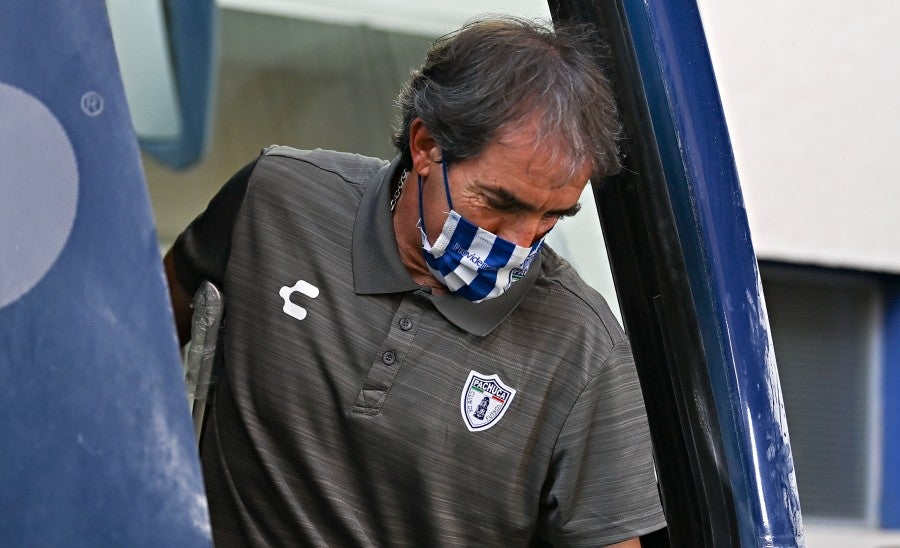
column 810, row 90
column 410, row 16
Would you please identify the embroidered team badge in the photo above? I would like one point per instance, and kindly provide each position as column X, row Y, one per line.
column 484, row 401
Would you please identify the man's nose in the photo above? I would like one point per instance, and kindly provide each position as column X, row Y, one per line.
column 525, row 232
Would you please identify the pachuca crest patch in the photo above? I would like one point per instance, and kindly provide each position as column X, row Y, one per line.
column 485, row 398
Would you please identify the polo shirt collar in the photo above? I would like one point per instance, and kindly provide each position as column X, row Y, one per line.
column 378, row 269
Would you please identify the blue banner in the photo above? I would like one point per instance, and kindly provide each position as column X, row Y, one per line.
column 97, row 447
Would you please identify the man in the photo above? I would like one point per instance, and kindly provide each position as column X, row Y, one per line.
column 405, row 363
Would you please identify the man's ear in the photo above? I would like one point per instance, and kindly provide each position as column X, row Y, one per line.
column 422, row 147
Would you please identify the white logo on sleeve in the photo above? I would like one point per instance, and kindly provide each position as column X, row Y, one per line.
column 485, row 398
column 294, row 310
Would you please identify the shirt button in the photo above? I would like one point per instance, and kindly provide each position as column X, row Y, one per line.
column 389, row 357
column 405, row 324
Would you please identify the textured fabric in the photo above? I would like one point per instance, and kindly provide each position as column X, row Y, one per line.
column 346, row 428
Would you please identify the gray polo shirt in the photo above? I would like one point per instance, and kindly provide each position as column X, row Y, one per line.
column 357, row 409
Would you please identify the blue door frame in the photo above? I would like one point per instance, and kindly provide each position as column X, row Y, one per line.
column 689, row 286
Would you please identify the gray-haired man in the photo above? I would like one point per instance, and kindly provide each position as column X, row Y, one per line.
column 405, row 363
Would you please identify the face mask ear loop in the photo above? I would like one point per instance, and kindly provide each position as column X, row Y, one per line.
column 421, row 209
column 446, row 184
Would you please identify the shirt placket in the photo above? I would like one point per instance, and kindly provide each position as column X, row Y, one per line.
column 391, row 355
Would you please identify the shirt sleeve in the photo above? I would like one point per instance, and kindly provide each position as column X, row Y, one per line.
column 601, row 487
column 201, row 252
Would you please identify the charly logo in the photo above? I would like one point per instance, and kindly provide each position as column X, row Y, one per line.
column 294, row 310
column 485, row 398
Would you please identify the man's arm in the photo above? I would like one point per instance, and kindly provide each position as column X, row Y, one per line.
column 631, row 543
column 203, row 249
column 181, row 301
column 602, row 484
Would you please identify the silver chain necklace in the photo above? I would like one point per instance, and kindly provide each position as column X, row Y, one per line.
column 402, row 182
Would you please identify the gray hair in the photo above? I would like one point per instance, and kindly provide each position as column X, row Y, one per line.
column 492, row 75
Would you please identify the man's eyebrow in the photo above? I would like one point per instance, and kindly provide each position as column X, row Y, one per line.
column 568, row 212
column 508, row 200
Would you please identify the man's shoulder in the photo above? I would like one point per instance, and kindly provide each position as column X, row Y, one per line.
column 575, row 300
column 565, row 325
column 351, row 168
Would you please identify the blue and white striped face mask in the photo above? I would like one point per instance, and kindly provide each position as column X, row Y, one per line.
column 472, row 262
